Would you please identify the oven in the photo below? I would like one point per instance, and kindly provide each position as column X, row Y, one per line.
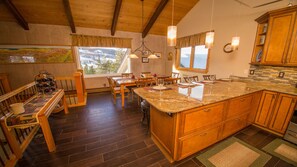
column 291, row 133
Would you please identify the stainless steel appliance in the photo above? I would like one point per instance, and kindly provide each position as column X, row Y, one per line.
column 291, row 133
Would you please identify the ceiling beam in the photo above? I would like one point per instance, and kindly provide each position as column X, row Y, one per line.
column 69, row 15
column 151, row 22
column 116, row 16
column 17, row 14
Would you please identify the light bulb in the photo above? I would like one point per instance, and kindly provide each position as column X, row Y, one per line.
column 152, row 56
column 235, row 42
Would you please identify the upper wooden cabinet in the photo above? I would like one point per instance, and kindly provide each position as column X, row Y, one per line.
column 275, row 42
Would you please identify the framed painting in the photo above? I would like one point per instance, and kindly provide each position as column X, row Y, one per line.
column 145, row 60
column 18, row 54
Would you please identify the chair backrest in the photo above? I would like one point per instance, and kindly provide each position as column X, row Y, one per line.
column 169, row 81
column 127, row 75
column 209, row 77
column 175, row 75
column 111, row 83
column 145, row 83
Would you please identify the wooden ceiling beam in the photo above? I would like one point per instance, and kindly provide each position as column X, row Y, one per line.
column 151, row 22
column 69, row 15
column 22, row 22
column 116, row 16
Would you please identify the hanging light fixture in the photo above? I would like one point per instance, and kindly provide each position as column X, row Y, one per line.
column 143, row 49
column 209, row 39
column 171, row 30
column 236, row 39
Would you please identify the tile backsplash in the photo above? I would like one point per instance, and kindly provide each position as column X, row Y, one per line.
column 284, row 75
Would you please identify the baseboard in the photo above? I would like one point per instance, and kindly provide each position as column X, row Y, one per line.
column 98, row 90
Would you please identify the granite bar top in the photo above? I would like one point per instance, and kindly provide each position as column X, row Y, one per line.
column 178, row 99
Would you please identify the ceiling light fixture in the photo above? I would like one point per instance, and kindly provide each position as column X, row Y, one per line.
column 209, row 39
column 171, row 30
column 143, row 49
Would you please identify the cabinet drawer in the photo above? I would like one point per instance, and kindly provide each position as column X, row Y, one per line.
column 234, row 125
column 197, row 142
column 239, row 106
column 195, row 119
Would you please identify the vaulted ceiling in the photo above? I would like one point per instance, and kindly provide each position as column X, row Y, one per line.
column 114, row 15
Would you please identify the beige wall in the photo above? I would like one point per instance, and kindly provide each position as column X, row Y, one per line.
column 229, row 18
column 12, row 33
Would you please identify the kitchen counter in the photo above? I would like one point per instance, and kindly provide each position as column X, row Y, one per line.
column 176, row 99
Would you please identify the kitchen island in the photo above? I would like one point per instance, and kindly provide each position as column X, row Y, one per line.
column 184, row 121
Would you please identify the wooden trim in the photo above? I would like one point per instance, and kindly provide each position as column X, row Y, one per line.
column 266, row 129
column 68, row 12
column 152, row 20
column 116, row 16
column 5, row 82
column 10, row 94
column 17, row 15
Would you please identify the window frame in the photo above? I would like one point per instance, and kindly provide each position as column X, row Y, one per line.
column 79, row 65
column 192, row 57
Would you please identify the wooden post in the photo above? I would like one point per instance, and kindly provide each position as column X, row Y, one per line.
column 5, row 82
column 83, row 78
column 79, row 86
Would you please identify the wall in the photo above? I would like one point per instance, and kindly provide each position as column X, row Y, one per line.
column 229, row 19
column 12, row 33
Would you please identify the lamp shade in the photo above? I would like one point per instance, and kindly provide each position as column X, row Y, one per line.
column 133, row 56
column 209, row 39
column 171, row 35
column 235, row 42
column 152, row 56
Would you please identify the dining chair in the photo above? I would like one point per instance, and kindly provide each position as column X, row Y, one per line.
column 127, row 75
column 170, row 81
column 209, row 77
column 145, row 72
column 143, row 83
column 115, row 89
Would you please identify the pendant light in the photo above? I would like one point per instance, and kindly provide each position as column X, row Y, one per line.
column 209, row 39
column 143, row 49
column 171, row 30
column 236, row 39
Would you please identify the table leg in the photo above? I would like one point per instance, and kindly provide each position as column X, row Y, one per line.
column 46, row 129
column 123, row 95
column 65, row 105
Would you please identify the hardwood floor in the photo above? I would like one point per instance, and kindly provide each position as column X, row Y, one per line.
column 104, row 134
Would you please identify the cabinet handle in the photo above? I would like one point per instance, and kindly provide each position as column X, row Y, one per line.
column 206, row 110
column 203, row 134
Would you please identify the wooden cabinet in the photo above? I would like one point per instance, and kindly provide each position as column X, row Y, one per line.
column 239, row 106
column 276, row 46
column 275, row 111
column 265, row 108
column 282, row 114
column 234, row 125
column 209, row 115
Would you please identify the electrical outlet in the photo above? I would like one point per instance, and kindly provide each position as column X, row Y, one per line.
column 281, row 74
column 252, row 72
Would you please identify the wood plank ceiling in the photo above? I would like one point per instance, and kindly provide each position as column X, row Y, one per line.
column 98, row 13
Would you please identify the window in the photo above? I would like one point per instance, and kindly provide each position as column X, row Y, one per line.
column 193, row 58
column 99, row 60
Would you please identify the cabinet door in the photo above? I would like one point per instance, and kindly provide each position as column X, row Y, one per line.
column 265, row 108
column 239, row 106
column 292, row 55
column 278, row 37
column 234, row 125
column 282, row 114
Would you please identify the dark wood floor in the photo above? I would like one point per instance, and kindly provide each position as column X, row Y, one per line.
column 103, row 134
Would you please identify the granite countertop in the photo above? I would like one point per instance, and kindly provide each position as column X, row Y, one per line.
column 176, row 100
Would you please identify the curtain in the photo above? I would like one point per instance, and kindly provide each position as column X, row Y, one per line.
column 99, row 41
column 193, row 40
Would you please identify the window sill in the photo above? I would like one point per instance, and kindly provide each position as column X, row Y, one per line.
column 100, row 75
column 204, row 71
